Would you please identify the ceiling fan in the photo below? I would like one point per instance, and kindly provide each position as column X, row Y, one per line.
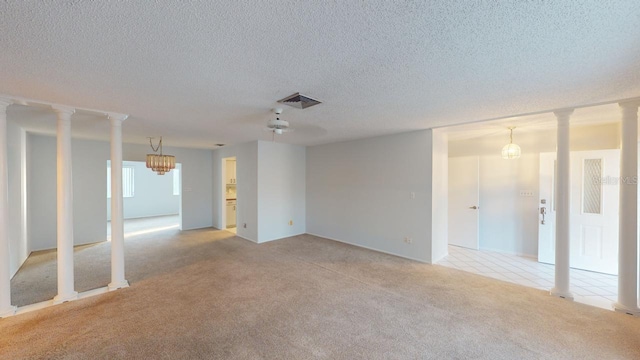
column 278, row 126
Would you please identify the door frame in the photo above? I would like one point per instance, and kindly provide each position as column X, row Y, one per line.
column 477, row 203
column 223, row 191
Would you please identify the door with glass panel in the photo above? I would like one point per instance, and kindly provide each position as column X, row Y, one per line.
column 594, row 210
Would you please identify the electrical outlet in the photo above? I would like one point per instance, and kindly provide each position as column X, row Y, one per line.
column 408, row 240
column 526, row 193
column 413, row 195
column 290, row 222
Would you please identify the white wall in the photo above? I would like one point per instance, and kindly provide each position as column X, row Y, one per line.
column 359, row 192
column 508, row 221
column 439, row 195
column 281, row 185
column 196, row 170
column 16, row 155
column 89, row 202
column 89, row 191
column 41, row 180
column 582, row 138
column 247, row 189
column 90, row 188
column 153, row 195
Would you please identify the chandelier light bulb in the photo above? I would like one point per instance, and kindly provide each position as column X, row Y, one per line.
column 511, row 150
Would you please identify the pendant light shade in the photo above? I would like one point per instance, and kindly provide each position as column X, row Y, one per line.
column 511, row 150
column 160, row 163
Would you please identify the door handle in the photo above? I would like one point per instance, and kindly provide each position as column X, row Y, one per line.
column 473, row 207
column 543, row 212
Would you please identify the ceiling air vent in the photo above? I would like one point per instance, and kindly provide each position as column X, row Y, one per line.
column 299, row 101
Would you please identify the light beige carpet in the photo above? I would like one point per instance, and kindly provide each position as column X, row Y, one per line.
column 204, row 294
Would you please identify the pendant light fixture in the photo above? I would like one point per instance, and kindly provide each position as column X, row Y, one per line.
column 160, row 163
column 511, row 150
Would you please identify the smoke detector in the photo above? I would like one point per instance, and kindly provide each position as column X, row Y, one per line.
column 299, row 101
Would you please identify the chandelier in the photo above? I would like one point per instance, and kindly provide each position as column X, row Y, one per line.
column 511, row 150
column 160, row 163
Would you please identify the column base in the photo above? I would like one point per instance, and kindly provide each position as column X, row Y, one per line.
column 119, row 285
column 8, row 312
column 59, row 299
column 635, row 311
column 561, row 294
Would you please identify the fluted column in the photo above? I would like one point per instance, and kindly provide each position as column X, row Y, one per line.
column 117, row 218
column 66, row 290
column 628, row 218
column 563, row 188
column 6, row 309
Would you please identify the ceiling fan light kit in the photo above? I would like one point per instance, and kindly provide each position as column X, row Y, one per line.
column 277, row 125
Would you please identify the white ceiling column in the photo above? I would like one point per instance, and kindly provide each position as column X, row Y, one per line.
column 628, row 218
column 66, row 290
column 563, row 189
column 117, row 218
column 6, row 309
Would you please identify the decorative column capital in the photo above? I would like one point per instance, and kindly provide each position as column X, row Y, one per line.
column 5, row 102
column 63, row 111
column 117, row 117
column 563, row 113
column 630, row 104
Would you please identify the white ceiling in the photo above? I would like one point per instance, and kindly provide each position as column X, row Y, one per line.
column 207, row 72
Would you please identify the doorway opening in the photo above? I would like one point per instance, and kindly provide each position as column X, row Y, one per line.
column 230, row 194
column 151, row 202
column 501, row 220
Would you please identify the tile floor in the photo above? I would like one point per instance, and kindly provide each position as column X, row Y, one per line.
column 588, row 287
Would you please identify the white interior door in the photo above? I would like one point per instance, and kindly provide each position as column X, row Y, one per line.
column 464, row 190
column 595, row 203
column 593, row 214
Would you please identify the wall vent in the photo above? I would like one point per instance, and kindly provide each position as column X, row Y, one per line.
column 299, row 101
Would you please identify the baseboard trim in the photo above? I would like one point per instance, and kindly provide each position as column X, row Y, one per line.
column 280, row 238
column 146, row 217
column 199, row 228
column 370, row 248
column 246, row 238
column 21, row 265
column 48, row 303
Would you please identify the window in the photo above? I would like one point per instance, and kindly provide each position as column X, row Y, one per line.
column 128, row 183
column 176, row 181
column 592, row 186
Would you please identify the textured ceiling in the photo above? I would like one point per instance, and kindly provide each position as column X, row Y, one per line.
column 205, row 72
